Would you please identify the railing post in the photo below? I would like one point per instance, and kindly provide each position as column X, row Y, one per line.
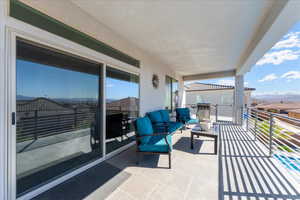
column 271, row 134
column 242, row 116
column 216, row 112
column 35, row 124
column 255, row 125
column 247, row 120
column 75, row 119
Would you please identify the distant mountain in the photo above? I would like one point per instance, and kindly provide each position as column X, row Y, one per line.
column 74, row 99
column 278, row 98
column 24, row 98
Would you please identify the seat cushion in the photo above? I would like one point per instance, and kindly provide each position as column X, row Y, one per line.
column 144, row 127
column 193, row 121
column 155, row 117
column 183, row 114
column 165, row 115
column 157, row 144
column 174, row 126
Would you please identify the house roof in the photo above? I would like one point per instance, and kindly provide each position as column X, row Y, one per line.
column 294, row 110
column 280, row 106
column 208, row 87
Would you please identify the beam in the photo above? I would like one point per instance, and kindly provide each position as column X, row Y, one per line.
column 283, row 15
column 209, row 75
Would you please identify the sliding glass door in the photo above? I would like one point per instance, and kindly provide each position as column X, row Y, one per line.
column 122, row 107
column 58, row 114
column 172, row 94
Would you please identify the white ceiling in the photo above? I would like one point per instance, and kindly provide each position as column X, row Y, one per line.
column 193, row 36
column 196, row 38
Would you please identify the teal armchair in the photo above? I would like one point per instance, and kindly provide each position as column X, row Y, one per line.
column 161, row 122
column 183, row 115
column 148, row 142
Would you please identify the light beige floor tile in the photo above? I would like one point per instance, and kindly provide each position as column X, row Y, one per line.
column 138, row 186
column 166, row 192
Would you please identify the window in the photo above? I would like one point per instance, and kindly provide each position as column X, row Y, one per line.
column 172, row 96
column 122, row 107
column 58, row 114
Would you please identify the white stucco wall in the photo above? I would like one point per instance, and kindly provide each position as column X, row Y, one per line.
column 151, row 98
column 220, row 97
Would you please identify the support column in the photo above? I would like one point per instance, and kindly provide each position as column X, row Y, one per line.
column 238, row 103
column 182, row 93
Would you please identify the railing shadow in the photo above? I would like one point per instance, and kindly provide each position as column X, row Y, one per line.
column 247, row 172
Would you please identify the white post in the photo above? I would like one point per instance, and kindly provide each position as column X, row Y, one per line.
column 3, row 122
column 182, row 93
column 238, row 103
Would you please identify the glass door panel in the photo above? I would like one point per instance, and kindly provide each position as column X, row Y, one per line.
column 122, row 107
column 58, row 114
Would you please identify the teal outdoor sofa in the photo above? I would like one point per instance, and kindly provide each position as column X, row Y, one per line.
column 161, row 122
column 183, row 115
column 147, row 141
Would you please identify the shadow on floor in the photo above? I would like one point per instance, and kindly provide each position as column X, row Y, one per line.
column 247, row 172
column 184, row 144
column 97, row 182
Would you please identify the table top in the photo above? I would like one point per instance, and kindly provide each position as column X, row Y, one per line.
column 212, row 131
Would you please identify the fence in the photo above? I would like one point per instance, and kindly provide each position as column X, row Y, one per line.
column 42, row 125
column 279, row 134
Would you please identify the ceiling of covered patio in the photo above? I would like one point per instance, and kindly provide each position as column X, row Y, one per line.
column 221, row 37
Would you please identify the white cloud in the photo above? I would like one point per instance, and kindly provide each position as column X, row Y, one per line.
column 278, row 57
column 291, row 75
column 290, row 40
column 256, row 94
column 268, row 77
column 110, row 85
column 226, row 82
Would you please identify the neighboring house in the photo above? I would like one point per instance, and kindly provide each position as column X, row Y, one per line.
column 215, row 94
column 294, row 113
column 129, row 104
column 281, row 108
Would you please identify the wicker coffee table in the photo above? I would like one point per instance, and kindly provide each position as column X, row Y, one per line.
column 211, row 133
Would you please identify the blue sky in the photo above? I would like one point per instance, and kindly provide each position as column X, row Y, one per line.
column 37, row 80
column 278, row 71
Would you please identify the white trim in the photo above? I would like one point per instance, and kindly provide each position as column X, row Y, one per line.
column 11, row 107
column 64, row 178
column 209, row 75
column 3, row 107
column 125, row 69
column 35, row 35
column 104, row 110
column 57, row 181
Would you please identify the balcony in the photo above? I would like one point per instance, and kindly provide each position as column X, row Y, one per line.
column 243, row 169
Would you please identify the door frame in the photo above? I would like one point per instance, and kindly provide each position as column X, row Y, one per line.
column 33, row 34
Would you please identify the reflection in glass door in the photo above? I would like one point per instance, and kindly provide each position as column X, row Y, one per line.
column 58, row 114
column 122, row 107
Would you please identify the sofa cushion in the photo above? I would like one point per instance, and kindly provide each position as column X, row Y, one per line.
column 157, row 144
column 144, row 127
column 183, row 114
column 155, row 117
column 165, row 115
column 193, row 121
column 174, row 126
